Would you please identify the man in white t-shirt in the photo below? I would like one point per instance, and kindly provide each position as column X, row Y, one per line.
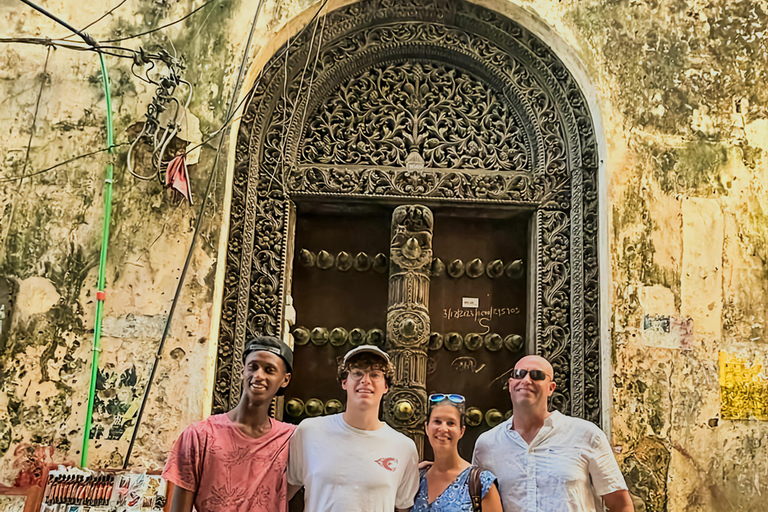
column 352, row 462
column 546, row 461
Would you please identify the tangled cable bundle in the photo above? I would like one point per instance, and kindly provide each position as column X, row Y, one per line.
column 154, row 133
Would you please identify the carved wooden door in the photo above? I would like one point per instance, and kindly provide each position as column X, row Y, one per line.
column 439, row 103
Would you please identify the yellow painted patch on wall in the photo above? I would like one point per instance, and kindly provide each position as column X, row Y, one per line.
column 743, row 389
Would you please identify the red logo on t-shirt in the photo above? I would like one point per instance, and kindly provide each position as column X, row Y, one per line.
column 388, row 463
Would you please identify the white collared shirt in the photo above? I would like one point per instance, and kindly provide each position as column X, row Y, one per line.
column 567, row 467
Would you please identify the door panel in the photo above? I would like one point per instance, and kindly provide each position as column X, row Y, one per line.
column 476, row 319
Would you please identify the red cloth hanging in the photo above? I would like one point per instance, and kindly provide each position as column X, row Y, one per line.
column 177, row 177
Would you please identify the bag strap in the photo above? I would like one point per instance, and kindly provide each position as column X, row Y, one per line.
column 475, row 489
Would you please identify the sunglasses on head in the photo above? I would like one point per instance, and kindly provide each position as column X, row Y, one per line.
column 439, row 397
column 519, row 374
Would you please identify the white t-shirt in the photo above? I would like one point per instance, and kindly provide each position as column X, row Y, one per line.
column 345, row 469
column 567, row 467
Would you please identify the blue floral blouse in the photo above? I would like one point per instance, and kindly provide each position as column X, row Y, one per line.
column 455, row 498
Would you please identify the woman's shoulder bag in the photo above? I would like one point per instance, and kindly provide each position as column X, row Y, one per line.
column 475, row 488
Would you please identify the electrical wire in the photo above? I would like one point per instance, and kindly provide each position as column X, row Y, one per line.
column 65, row 162
column 85, row 37
column 99, row 18
column 126, row 38
column 112, row 51
column 34, row 116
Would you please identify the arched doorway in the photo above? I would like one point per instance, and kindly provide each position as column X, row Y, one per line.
column 454, row 110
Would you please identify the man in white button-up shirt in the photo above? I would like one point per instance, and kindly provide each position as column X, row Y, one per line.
column 546, row 461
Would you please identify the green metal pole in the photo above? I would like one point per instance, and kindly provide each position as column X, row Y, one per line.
column 100, row 296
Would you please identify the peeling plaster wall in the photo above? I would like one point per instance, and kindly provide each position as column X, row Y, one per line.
column 682, row 91
column 682, row 86
column 50, row 234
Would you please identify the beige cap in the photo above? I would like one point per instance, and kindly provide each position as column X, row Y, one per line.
column 372, row 349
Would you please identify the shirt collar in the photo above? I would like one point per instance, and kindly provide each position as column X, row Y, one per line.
column 548, row 422
column 553, row 418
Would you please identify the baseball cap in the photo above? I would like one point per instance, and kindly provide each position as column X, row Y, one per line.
column 372, row 349
column 270, row 344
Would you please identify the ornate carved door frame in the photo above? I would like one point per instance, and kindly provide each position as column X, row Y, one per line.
column 420, row 101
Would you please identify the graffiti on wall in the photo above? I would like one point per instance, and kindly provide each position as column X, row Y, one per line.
column 7, row 292
column 116, row 402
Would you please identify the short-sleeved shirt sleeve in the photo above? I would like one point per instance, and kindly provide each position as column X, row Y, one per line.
column 296, row 462
column 185, row 463
column 487, row 479
column 409, row 482
column 603, row 468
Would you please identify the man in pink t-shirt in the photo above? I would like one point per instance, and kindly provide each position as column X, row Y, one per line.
column 235, row 462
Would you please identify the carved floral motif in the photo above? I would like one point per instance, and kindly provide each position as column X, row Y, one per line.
column 450, row 118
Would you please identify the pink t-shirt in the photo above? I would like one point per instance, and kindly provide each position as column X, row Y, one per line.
column 230, row 471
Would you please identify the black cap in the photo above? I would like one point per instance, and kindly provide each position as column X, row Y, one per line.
column 269, row 344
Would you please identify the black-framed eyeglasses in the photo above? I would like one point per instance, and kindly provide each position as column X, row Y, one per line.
column 519, row 374
column 436, row 398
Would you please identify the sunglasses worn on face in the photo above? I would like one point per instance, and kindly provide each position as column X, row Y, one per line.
column 439, row 397
column 534, row 374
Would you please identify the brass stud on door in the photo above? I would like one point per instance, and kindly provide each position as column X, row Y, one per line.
column 300, row 335
column 319, row 336
column 324, row 260
column 362, row 262
column 314, row 407
column 493, row 341
column 473, row 341
column 338, row 336
column 438, row 267
column 375, row 337
column 294, row 407
column 356, row 336
column 344, row 261
column 380, row 263
column 475, row 268
column 412, row 249
column 473, row 416
column 495, row 269
column 333, row 406
column 408, row 328
column 403, row 410
column 456, row 269
column 515, row 269
column 493, row 417
column 514, row 342
column 453, row 341
column 435, row 341
column 306, row 258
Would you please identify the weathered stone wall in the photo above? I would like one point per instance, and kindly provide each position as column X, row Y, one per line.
column 51, row 224
column 681, row 87
column 684, row 104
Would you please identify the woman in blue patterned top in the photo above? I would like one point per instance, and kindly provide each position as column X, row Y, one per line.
column 444, row 485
